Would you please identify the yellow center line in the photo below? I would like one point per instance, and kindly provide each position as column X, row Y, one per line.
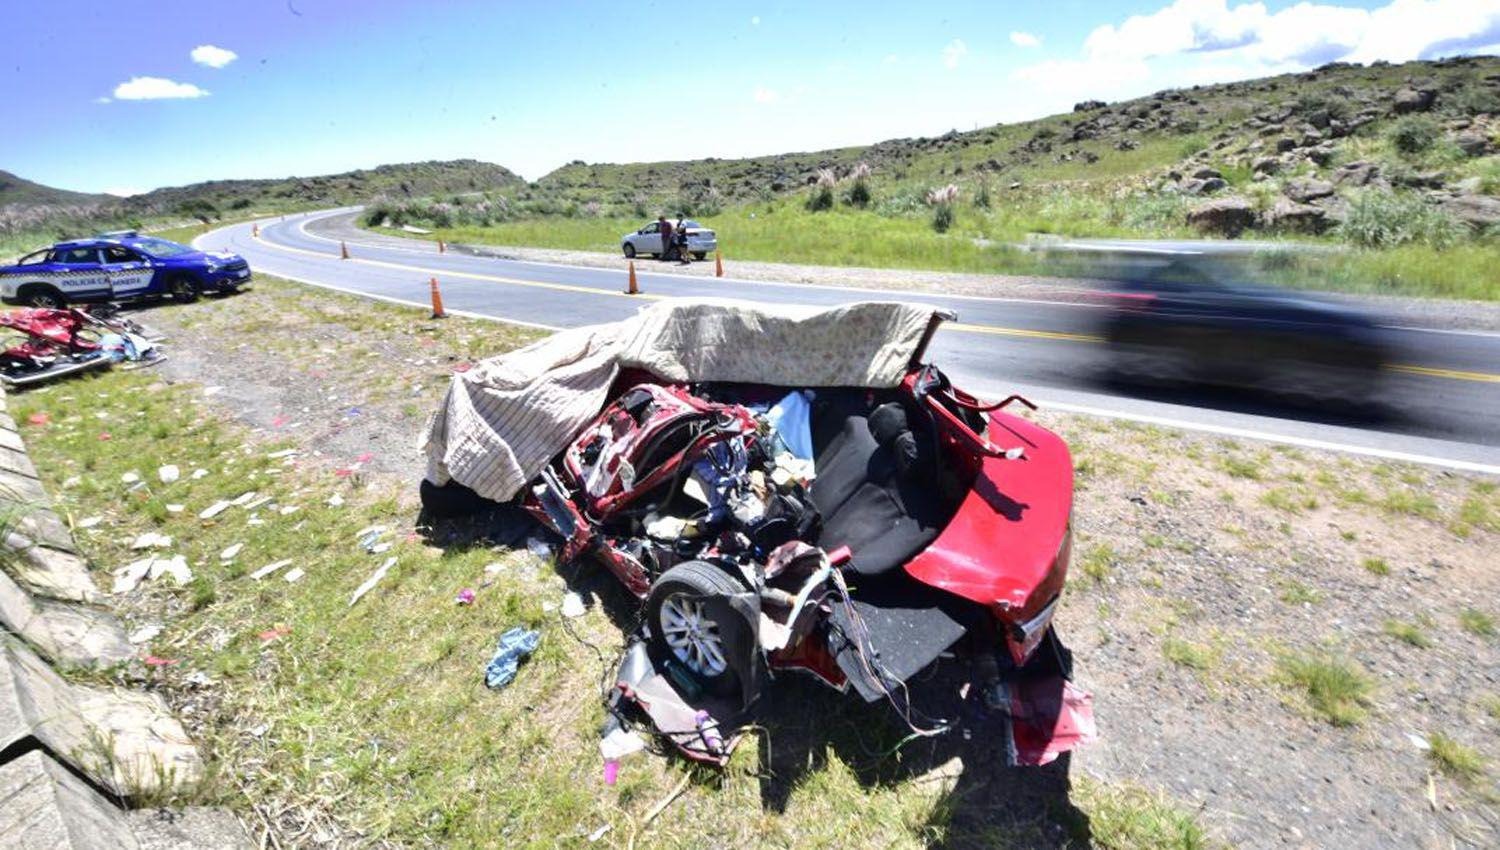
column 1427, row 371
column 991, row 329
column 1455, row 374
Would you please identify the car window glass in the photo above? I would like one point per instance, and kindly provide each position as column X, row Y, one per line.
column 33, row 258
column 116, row 254
column 650, row 228
column 77, row 256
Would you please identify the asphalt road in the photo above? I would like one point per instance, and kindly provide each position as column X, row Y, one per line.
column 1440, row 405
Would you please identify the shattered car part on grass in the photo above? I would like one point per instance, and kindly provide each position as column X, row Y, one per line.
column 51, row 343
column 896, row 521
column 515, row 646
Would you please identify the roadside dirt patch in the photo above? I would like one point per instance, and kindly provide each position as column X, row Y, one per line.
column 1275, row 638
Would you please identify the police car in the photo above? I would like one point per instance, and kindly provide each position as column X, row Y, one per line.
column 117, row 265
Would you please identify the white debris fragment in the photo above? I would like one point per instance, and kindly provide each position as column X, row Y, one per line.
column 269, row 568
column 175, row 509
column 175, row 566
column 493, row 568
column 130, row 477
column 151, row 540
column 373, row 580
column 380, row 548
column 1419, row 741
column 145, row 633
column 230, row 551
column 90, row 521
column 281, row 454
column 335, row 501
column 243, row 498
column 199, row 473
column 257, row 503
column 72, row 481
column 169, row 473
column 599, row 833
column 294, row 574
column 288, row 510
column 215, row 390
column 214, row 510
column 572, row 605
column 130, row 575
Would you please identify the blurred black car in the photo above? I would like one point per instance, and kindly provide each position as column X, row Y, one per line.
column 1196, row 319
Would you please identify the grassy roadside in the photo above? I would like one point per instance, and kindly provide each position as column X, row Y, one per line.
column 982, row 242
column 326, row 719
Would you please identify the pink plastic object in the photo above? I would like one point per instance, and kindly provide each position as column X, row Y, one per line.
column 465, row 596
column 611, row 772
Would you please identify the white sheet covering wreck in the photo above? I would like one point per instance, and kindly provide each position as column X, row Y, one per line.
column 502, row 421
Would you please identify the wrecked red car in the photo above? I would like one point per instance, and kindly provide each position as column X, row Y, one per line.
column 858, row 534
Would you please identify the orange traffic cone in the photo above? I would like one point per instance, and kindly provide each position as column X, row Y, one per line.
column 441, row 247
column 255, row 230
column 437, row 302
column 718, row 264
column 343, row 251
column 634, row 289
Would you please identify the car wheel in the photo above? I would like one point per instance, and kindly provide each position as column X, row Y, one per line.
column 699, row 255
column 44, row 296
column 184, row 290
column 629, row 251
column 683, row 629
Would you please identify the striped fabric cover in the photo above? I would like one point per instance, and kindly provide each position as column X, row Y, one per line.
column 503, row 421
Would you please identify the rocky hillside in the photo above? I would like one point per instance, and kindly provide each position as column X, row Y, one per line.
column 1283, row 152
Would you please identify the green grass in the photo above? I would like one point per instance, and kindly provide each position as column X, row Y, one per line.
column 1097, row 563
column 1241, row 467
column 1335, row 689
column 1294, row 592
column 1185, row 653
column 1130, row 817
column 1454, row 759
column 1376, row 566
column 1411, row 634
column 1477, row 623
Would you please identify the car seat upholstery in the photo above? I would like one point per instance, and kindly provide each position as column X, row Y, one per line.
column 875, row 484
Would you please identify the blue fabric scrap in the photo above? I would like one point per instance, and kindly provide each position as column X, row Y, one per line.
column 515, row 645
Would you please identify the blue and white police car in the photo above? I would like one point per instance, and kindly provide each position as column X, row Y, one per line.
column 118, row 265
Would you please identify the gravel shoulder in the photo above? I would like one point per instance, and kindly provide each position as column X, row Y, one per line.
column 1416, row 312
column 1204, row 571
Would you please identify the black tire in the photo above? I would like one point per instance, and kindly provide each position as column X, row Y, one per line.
column 629, row 251
column 699, row 255
column 683, row 588
column 184, row 290
column 41, row 295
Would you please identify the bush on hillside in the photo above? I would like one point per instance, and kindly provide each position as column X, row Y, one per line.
column 1413, row 135
column 1383, row 219
column 859, row 186
column 821, row 197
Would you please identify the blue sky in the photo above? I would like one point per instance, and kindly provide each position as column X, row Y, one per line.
column 316, row 86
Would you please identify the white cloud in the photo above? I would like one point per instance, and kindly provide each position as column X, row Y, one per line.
column 123, row 191
column 755, row 20
column 103, row 99
column 1203, row 41
column 213, row 57
column 954, row 53
column 156, row 88
column 1307, row 34
column 1025, row 39
column 765, row 95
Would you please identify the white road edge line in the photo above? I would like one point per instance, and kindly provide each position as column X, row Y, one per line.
column 1164, row 421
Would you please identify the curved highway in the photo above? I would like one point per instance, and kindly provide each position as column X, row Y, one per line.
column 1440, row 404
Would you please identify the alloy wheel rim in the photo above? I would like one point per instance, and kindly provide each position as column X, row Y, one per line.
column 693, row 637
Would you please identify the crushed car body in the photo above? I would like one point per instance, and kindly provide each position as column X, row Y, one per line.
column 786, row 489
